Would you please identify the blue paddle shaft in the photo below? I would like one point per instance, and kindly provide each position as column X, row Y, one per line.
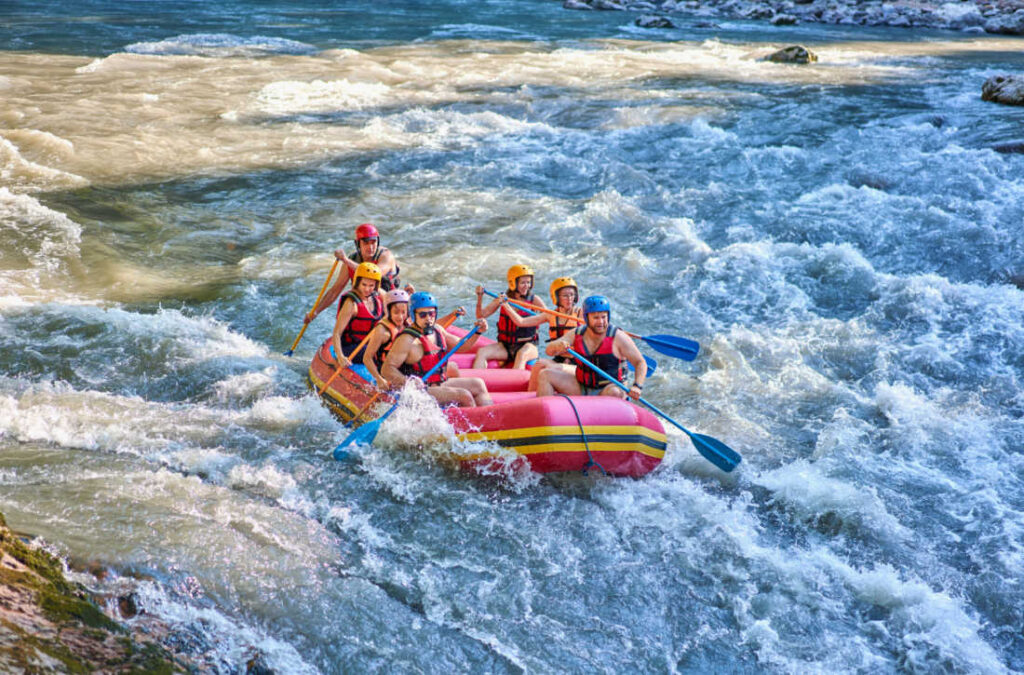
column 713, row 450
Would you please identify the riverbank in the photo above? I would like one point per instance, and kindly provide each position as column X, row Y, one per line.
column 49, row 624
column 1001, row 17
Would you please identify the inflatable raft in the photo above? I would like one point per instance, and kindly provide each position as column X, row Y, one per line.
column 553, row 433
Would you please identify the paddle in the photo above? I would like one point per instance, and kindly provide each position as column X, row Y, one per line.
column 338, row 370
column 322, row 291
column 365, row 434
column 713, row 450
column 670, row 345
column 652, row 365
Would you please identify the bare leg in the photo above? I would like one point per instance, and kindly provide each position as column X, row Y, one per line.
column 525, row 353
column 475, row 386
column 612, row 390
column 557, row 381
column 486, row 353
column 535, row 372
column 445, row 394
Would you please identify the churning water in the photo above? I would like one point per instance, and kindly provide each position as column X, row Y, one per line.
column 840, row 238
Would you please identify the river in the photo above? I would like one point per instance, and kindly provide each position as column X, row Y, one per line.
column 839, row 237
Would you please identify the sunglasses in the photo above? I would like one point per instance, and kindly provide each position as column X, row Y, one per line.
column 424, row 313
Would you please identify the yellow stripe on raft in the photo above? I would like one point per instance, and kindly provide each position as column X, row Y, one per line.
column 631, row 431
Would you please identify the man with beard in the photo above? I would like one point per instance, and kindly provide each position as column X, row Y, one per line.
column 419, row 347
column 603, row 345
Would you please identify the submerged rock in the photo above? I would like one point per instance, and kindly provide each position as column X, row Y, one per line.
column 651, row 21
column 792, row 54
column 1011, row 148
column 784, row 20
column 1006, row 89
column 51, row 625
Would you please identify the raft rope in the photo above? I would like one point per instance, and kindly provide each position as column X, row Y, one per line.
column 591, row 461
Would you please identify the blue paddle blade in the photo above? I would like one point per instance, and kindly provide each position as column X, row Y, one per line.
column 716, row 452
column 364, row 435
column 289, row 353
column 652, row 365
column 673, row 345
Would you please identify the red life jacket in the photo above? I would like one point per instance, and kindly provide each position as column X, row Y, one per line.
column 432, row 353
column 360, row 325
column 389, row 280
column 557, row 330
column 603, row 357
column 508, row 332
column 385, row 347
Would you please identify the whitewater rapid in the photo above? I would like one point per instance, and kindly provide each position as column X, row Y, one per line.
column 839, row 238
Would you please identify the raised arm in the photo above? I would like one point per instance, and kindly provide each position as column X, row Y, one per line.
column 492, row 306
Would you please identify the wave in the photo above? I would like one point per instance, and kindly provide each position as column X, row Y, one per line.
column 220, row 45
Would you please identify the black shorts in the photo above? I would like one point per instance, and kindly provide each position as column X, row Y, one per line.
column 512, row 348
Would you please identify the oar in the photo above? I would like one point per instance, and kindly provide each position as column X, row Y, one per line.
column 363, row 409
column 670, row 345
column 652, row 365
column 713, row 450
column 322, row 291
column 365, row 434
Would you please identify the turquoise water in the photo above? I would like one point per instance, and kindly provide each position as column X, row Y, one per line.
column 839, row 238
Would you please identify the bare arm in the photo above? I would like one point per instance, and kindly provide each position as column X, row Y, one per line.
column 484, row 312
column 450, row 339
column 378, row 336
column 625, row 348
column 560, row 346
column 395, row 358
column 520, row 320
column 387, row 262
column 348, row 310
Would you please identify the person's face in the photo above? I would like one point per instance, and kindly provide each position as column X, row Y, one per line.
column 367, row 247
column 425, row 317
column 598, row 322
column 399, row 313
column 366, row 287
column 566, row 297
column 523, row 285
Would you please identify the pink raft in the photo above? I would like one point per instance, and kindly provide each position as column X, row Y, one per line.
column 554, row 433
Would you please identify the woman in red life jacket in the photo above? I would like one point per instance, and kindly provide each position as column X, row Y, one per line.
column 358, row 311
column 382, row 337
column 517, row 329
column 368, row 249
column 419, row 347
column 565, row 294
column 603, row 345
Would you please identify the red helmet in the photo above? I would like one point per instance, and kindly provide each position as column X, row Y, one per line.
column 366, row 231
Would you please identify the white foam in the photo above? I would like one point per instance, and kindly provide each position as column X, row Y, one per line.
column 318, row 96
column 22, row 175
column 219, row 45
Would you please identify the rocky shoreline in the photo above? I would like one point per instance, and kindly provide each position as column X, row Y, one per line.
column 1002, row 17
column 49, row 624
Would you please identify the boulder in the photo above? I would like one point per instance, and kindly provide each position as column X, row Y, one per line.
column 1010, row 148
column 651, row 21
column 575, row 4
column 1006, row 89
column 792, row 54
column 1010, row 24
column 609, row 5
column 784, row 20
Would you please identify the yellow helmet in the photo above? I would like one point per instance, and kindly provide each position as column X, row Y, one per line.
column 560, row 283
column 366, row 270
column 517, row 271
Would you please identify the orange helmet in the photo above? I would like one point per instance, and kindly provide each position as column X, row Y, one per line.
column 560, row 283
column 517, row 271
column 366, row 270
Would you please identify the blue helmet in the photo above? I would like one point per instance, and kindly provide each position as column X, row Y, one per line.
column 596, row 303
column 421, row 299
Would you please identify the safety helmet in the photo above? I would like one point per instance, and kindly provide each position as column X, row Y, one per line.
column 560, row 283
column 395, row 295
column 596, row 303
column 366, row 231
column 366, row 270
column 420, row 300
column 517, row 271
